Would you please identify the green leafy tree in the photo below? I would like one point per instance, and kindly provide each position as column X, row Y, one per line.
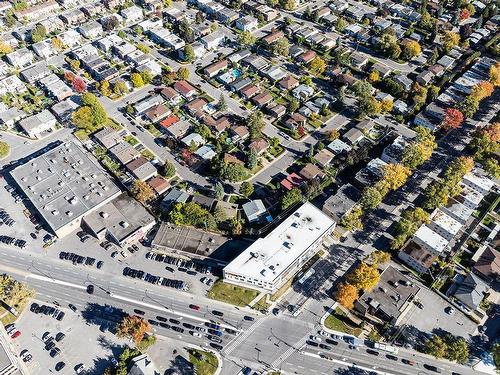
column 352, row 220
column 189, row 54
column 219, row 191
column 252, row 159
column 246, row 189
column 39, row 33
column 193, row 214
column 341, row 24
column 222, row 104
column 290, row 198
column 142, row 191
column 183, row 73
column 120, row 88
column 281, row 47
column 234, row 172
column 255, row 124
column 4, row 149
column 317, row 66
column 168, row 169
column 436, row 347
column 458, row 350
column 246, row 38
column 370, row 198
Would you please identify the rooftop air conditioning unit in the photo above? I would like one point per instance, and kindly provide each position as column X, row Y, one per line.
column 104, row 214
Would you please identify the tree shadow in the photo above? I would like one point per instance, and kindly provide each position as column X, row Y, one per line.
column 105, row 316
column 100, row 364
column 350, row 371
column 180, row 365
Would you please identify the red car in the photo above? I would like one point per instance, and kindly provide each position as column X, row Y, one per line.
column 194, row 307
column 16, row 334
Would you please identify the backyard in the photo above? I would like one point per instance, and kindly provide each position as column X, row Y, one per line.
column 232, row 294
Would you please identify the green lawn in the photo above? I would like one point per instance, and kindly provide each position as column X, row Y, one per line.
column 232, row 294
column 336, row 321
column 205, row 363
column 130, row 139
column 153, row 130
column 275, row 151
column 261, row 305
column 147, row 154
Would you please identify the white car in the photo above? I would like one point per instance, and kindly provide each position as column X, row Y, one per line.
column 316, row 338
column 323, row 333
column 196, row 334
column 123, row 254
column 80, row 368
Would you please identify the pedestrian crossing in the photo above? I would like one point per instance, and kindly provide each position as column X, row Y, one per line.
column 278, row 361
column 239, row 339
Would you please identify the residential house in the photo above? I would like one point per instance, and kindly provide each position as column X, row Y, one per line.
column 293, row 180
column 10, row 116
column 255, row 211
column 303, row 92
column 124, row 152
column 306, row 57
column 339, row 204
column 108, row 137
column 337, row 146
column 44, row 49
column 193, row 138
column 185, row 89
column 141, row 168
column 353, row 136
column 213, row 40
column 143, row 365
column 38, row 11
column 249, row 91
column 159, row 184
column 171, row 96
column 262, row 99
column 142, row 106
column 20, row 58
column 277, row 110
column 247, row 23
column 169, row 121
column 310, row 172
column 295, row 120
column 324, row 157
column 73, row 17
column 258, row 146
column 213, row 69
column 174, row 196
column 425, row 78
column 471, row 291
column 488, row 264
column 358, row 60
column 196, row 107
column 91, row 30
column 36, row 72
column 179, row 129
column 239, row 133
column 481, row 184
column 157, row 113
column 35, row 126
column 64, row 109
column 206, row 152
column 288, row 83
column 132, row 14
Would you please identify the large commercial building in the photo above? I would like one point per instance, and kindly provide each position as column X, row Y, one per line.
column 64, row 184
column 270, row 261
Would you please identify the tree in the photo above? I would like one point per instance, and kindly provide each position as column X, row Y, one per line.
column 4, row 149
column 426, row 21
column 495, row 351
column 369, row 106
column 362, row 89
column 5, row 48
column 246, row 189
column 252, row 159
column 494, row 74
column 436, row 194
column 104, row 88
column 346, row 295
column 222, row 105
column 370, row 198
column 290, row 198
column 395, row 176
column 109, row 23
column 186, row 32
column 464, row 14
column 120, row 88
column 332, row 135
column 246, row 38
column 134, row 327
column 374, row 76
column 352, row 219
column 436, row 347
column 469, row 106
column 378, row 257
column 143, row 48
column 168, row 169
column 420, row 150
column 91, row 115
column 450, row 40
column 57, row 43
column 364, row 276
column 411, row 49
column 482, row 90
column 288, row 4
column 38, row 33
column 79, row 85
column 281, row 47
column 387, row 104
column 147, row 342
column 388, row 45
column 234, row 172
column 193, row 214
column 74, row 64
column 189, row 54
column 453, row 118
column 341, row 24
column 136, row 80
column 183, row 73
column 458, row 350
column 147, row 77
column 219, row 191
column 142, row 191
column 255, row 124
column 200, row 17
column 293, row 105
column 317, row 66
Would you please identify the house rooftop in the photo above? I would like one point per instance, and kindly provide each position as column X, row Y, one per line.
column 431, row 238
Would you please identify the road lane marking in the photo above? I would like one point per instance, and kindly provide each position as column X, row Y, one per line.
column 349, row 364
column 54, row 281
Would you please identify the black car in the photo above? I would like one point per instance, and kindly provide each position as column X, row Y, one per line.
column 100, row 264
column 372, row 352
column 324, row 346
column 391, row 357
column 62, row 255
column 55, row 352
column 90, row 289
column 249, row 318
column 60, row 366
column 216, row 346
column 188, row 326
column 161, row 318
column 153, row 322
column 60, row 316
column 174, row 321
column 50, row 345
column 230, row 331
column 33, row 235
column 330, row 341
column 34, row 306
column 165, row 325
column 432, row 368
column 178, row 329
column 72, row 307
column 139, row 312
column 217, row 313
column 60, row 336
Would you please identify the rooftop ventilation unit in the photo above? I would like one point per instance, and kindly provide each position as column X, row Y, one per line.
column 86, row 197
column 53, row 161
column 73, row 200
column 55, row 212
column 69, row 213
column 124, row 224
column 104, row 214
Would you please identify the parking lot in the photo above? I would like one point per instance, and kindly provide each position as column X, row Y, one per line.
column 82, row 343
column 433, row 316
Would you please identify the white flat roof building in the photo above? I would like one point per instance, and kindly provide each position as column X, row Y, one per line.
column 430, row 240
column 481, row 184
column 270, row 261
column 470, row 197
column 444, row 225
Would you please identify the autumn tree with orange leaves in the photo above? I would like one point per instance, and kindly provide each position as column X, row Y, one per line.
column 346, row 295
column 453, row 118
column 134, row 327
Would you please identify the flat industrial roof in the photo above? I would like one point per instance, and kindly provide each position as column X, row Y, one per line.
column 446, row 222
column 268, row 257
column 64, row 184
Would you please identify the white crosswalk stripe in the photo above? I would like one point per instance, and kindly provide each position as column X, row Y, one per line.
column 238, row 340
column 278, row 361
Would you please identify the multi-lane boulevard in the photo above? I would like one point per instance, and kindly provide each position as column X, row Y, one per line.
column 278, row 342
